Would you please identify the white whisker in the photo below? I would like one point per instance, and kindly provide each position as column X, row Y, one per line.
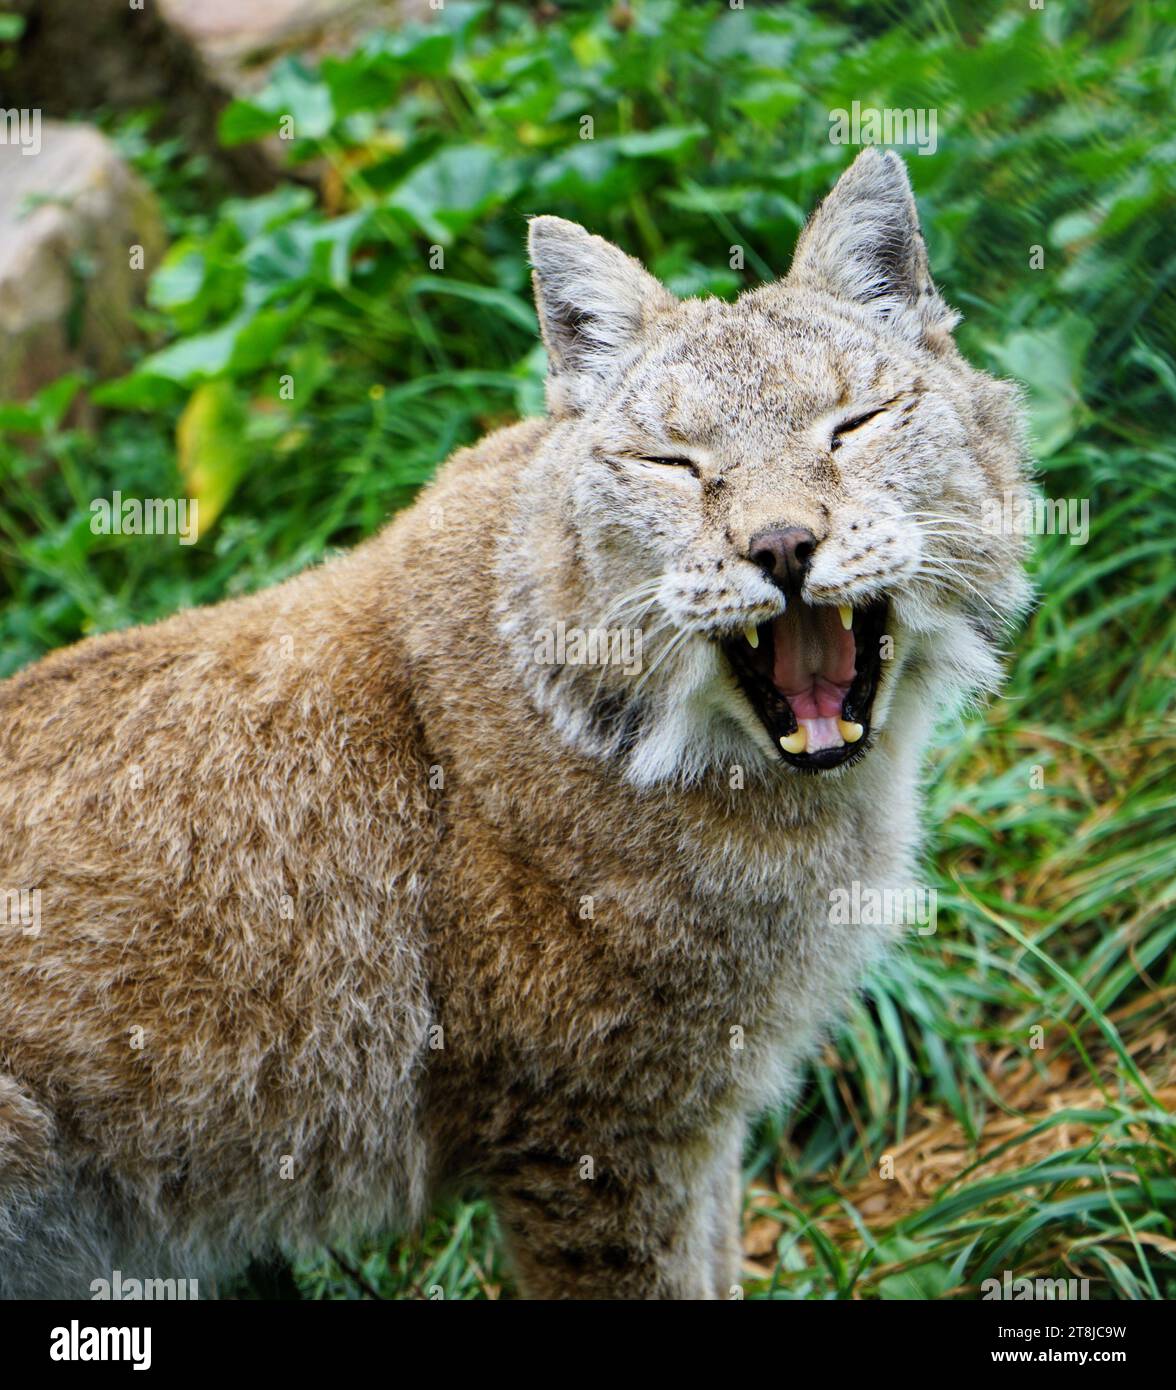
column 675, row 642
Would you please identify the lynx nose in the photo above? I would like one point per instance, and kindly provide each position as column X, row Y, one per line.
column 784, row 555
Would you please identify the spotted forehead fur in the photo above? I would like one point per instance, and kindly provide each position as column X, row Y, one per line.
column 744, row 377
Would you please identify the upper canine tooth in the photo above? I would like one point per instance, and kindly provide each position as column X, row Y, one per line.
column 846, row 613
column 751, row 632
column 795, row 743
column 850, row 731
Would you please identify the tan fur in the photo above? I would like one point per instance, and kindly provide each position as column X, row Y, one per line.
column 391, row 901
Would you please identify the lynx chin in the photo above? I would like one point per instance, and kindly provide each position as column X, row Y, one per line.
column 347, row 900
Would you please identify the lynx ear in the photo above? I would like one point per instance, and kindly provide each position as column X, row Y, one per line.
column 593, row 302
column 864, row 244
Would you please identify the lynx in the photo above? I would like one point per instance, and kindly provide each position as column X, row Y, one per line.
column 348, row 898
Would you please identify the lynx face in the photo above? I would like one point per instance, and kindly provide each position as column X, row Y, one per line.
column 785, row 492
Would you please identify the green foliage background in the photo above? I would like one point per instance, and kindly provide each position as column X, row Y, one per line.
column 710, row 130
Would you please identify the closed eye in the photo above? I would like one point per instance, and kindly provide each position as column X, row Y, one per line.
column 848, row 426
column 666, row 461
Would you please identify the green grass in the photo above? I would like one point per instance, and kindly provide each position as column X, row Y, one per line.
column 1010, row 1074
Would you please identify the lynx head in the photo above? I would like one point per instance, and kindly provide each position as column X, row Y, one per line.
column 782, row 495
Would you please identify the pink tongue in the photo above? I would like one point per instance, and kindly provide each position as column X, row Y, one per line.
column 814, row 662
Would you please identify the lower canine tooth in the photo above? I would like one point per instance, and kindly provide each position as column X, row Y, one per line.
column 850, row 731
column 846, row 613
column 797, row 742
column 752, row 635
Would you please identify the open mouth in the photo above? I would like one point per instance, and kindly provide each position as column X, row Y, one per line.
column 811, row 676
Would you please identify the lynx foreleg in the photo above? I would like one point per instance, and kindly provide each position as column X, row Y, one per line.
column 650, row 1222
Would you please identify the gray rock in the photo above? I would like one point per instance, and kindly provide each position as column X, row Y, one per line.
column 238, row 42
column 70, row 213
column 79, row 56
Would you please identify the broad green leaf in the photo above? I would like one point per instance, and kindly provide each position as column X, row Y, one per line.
column 44, row 411
column 663, row 143
column 449, row 190
column 1049, row 361
column 304, row 252
column 252, row 216
column 179, row 279
column 294, row 98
